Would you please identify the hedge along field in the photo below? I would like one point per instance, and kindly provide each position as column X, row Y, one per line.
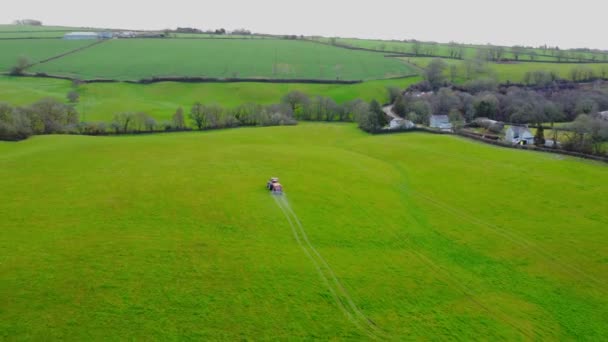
column 34, row 50
column 134, row 59
column 100, row 101
column 438, row 49
column 515, row 72
column 173, row 237
column 470, row 51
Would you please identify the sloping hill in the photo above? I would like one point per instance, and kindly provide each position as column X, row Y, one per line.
column 174, row 237
column 225, row 58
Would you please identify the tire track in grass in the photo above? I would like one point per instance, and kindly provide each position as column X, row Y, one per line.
column 518, row 240
column 339, row 293
column 446, row 277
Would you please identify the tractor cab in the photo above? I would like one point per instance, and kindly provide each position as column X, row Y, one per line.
column 274, row 186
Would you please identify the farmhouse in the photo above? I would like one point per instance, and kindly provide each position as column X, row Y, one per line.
column 519, row 135
column 81, row 35
column 441, row 122
column 401, row 124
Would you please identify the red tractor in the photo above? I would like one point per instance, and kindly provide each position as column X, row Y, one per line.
column 274, row 186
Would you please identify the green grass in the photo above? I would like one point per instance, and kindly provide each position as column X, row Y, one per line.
column 173, row 237
column 469, row 50
column 26, row 28
column 515, row 72
column 99, row 102
column 34, row 49
column 224, row 58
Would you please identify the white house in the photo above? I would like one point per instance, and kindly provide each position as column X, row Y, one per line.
column 519, row 135
column 401, row 124
column 604, row 115
column 441, row 122
column 81, row 35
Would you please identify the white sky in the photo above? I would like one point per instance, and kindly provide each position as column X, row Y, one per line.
column 567, row 23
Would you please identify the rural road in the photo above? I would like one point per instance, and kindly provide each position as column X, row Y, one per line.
column 388, row 110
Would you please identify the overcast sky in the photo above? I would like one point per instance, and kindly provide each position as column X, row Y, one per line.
column 579, row 23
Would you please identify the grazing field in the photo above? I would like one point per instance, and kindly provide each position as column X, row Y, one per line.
column 515, row 72
column 135, row 59
column 99, row 102
column 34, row 50
column 411, row 236
column 468, row 51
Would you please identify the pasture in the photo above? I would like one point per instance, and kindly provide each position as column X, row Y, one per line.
column 99, row 101
column 469, row 50
column 135, row 59
column 173, row 237
column 34, row 50
column 515, row 72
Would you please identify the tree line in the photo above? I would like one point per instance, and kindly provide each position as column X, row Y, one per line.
column 46, row 116
column 51, row 116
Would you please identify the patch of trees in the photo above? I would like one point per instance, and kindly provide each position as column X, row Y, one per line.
column 320, row 108
column 514, row 105
column 22, row 64
column 370, row 117
column 47, row 116
column 587, row 134
column 28, row 22
column 188, row 30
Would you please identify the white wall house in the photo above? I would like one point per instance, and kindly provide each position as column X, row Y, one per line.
column 519, row 135
column 401, row 124
column 441, row 122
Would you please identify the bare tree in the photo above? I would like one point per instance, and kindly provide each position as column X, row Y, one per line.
column 295, row 99
column 197, row 115
column 73, row 96
column 178, row 119
column 434, row 73
column 517, row 51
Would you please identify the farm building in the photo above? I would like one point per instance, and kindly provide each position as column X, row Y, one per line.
column 604, row 115
column 105, row 35
column 401, row 124
column 519, row 135
column 441, row 122
column 81, row 35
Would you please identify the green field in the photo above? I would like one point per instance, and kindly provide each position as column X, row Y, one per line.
column 100, row 101
column 515, row 72
column 469, row 51
column 224, row 58
column 21, row 31
column 173, row 237
column 34, row 50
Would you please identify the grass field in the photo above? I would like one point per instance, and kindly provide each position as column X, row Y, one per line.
column 515, row 72
column 34, row 49
column 224, row 58
column 173, row 236
column 470, row 51
column 99, row 102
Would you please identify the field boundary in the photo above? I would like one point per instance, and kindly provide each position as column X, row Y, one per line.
column 190, row 79
column 409, row 54
column 494, row 142
column 532, row 148
column 66, row 53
